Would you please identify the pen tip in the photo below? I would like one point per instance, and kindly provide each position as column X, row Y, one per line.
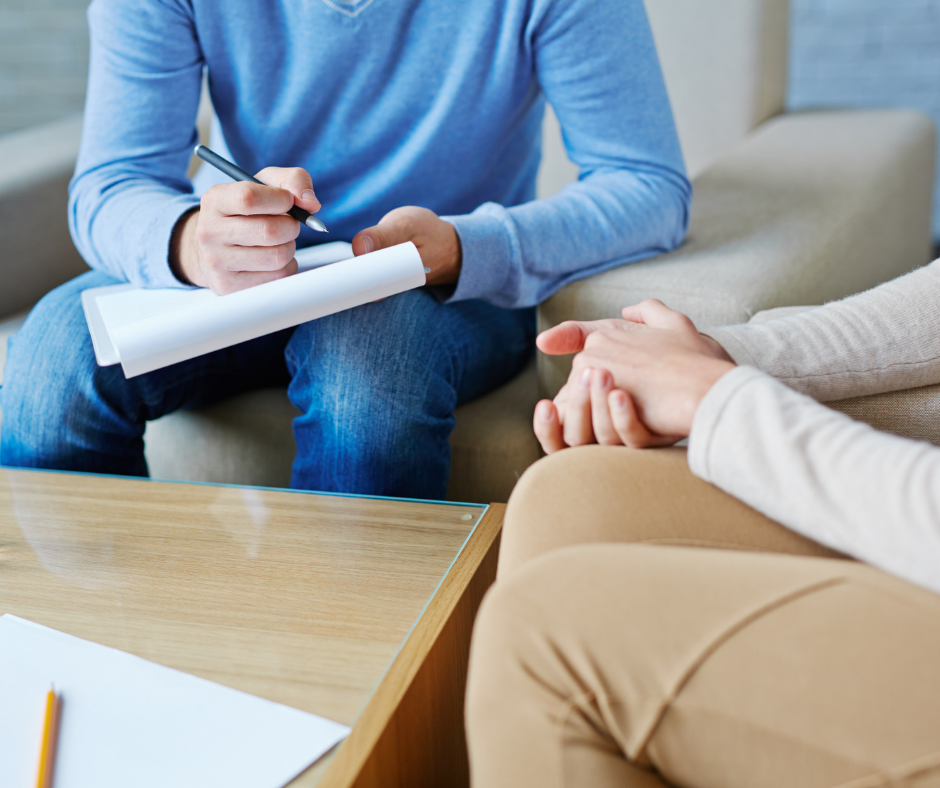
column 315, row 224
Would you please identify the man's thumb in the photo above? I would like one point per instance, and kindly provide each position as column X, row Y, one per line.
column 374, row 238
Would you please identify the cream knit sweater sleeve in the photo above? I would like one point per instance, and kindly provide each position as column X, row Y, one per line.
column 871, row 495
column 884, row 339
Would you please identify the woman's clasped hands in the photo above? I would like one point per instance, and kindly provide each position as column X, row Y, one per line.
column 635, row 382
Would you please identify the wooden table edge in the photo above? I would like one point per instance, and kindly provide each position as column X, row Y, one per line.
column 478, row 556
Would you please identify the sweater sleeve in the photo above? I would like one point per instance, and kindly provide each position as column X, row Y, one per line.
column 885, row 339
column 597, row 65
column 871, row 495
column 130, row 185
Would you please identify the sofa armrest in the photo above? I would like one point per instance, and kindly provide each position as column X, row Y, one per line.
column 811, row 207
column 38, row 255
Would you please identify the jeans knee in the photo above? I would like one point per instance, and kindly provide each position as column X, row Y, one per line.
column 50, row 373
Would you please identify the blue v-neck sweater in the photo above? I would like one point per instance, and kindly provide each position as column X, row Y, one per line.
column 436, row 103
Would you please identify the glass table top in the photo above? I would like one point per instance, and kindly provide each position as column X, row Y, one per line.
column 300, row 598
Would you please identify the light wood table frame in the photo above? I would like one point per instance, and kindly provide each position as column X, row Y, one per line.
column 358, row 609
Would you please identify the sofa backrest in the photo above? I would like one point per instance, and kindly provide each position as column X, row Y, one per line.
column 725, row 64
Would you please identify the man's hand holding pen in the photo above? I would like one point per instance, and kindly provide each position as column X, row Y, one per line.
column 241, row 235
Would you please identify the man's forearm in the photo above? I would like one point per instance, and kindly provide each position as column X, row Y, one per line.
column 130, row 186
column 517, row 257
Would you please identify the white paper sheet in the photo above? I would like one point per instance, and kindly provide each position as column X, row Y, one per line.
column 150, row 329
column 129, row 722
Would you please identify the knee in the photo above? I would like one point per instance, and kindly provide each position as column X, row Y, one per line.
column 529, row 630
column 506, row 630
column 592, row 494
column 51, row 348
column 50, row 367
column 379, row 364
column 549, row 508
column 392, row 338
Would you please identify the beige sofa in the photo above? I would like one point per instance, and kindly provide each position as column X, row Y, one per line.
column 788, row 209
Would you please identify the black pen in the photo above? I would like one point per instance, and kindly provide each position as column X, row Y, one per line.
column 236, row 173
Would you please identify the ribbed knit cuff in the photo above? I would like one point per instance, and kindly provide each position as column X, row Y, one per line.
column 154, row 262
column 487, row 249
column 708, row 416
column 727, row 337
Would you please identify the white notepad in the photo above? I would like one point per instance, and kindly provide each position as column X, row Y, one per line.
column 144, row 330
column 129, row 722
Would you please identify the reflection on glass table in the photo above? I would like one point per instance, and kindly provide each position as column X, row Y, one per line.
column 354, row 608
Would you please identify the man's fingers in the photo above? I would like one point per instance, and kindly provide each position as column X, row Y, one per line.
column 247, row 199
column 264, row 230
column 396, row 227
column 295, row 180
column 378, row 237
column 251, row 258
column 233, row 282
column 603, row 427
column 368, row 240
column 548, row 427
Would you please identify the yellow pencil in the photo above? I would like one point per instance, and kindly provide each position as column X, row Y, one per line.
column 50, row 731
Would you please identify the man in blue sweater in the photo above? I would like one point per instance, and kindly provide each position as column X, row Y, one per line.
column 405, row 120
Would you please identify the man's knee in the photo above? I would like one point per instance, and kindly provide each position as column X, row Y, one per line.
column 395, row 333
column 53, row 344
column 49, row 371
column 373, row 365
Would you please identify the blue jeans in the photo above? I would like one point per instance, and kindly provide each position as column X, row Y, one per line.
column 376, row 387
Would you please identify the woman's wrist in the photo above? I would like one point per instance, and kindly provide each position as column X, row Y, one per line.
column 717, row 350
column 700, row 381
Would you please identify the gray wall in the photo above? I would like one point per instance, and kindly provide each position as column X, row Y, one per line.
column 867, row 53
column 43, row 60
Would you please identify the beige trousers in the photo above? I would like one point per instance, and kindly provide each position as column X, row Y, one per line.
column 597, row 661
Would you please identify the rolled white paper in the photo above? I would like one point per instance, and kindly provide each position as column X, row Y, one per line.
column 192, row 323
